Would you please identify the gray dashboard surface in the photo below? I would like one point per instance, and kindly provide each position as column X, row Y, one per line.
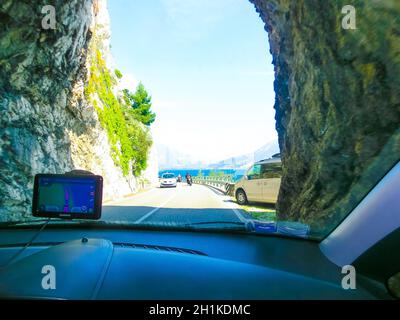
column 138, row 264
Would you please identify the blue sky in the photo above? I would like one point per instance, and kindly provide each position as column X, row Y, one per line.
column 208, row 68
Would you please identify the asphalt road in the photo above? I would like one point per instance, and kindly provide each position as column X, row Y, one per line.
column 174, row 206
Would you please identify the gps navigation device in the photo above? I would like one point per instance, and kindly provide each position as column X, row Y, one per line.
column 68, row 196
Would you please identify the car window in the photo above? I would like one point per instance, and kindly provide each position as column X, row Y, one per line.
column 254, row 172
column 271, row 170
column 66, row 108
column 168, row 176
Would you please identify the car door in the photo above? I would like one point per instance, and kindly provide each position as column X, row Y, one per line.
column 252, row 185
column 271, row 174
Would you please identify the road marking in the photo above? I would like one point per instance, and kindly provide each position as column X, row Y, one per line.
column 156, row 209
column 229, row 205
column 237, row 213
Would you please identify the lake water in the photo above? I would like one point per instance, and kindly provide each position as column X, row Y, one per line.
column 237, row 174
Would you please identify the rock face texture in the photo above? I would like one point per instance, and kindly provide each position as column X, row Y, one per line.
column 46, row 124
column 337, row 102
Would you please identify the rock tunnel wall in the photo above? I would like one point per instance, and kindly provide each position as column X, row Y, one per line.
column 337, row 102
column 46, row 123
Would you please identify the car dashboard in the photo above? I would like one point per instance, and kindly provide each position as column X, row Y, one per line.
column 159, row 264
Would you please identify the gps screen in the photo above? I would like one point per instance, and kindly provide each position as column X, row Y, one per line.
column 68, row 196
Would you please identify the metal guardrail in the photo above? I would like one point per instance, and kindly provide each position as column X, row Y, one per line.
column 224, row 183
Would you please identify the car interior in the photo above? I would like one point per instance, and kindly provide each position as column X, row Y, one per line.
column 132, row 263
column 187, row 150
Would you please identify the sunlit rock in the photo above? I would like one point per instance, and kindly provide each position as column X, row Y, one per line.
column 46, row 123
column 337, row 102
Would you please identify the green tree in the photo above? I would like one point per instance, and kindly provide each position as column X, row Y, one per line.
column 129, row 139
column 213, row 173
column 140, row 102
column 140, row 141
column 118, row 73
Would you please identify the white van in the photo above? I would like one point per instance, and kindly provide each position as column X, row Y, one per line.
column 260, row 183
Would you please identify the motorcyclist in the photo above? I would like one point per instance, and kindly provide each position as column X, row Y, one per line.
column 188, row 178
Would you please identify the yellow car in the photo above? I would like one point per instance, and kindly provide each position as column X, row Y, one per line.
column 260, row 183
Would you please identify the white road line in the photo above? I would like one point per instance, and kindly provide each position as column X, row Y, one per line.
column 156, row 209
column 240, row 217
column 229, row 205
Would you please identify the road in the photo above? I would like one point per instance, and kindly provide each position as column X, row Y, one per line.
column 171, row 206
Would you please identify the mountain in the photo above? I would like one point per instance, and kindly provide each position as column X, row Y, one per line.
column 245, row 160
column 169, row 158
column 172, row 159
column 267, row 151
column 234, row 162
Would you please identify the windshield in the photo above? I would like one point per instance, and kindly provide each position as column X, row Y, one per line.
column 168, row 176
column 207, row 118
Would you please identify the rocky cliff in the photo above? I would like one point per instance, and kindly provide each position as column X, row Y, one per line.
column 47, row 123
column 337, row 102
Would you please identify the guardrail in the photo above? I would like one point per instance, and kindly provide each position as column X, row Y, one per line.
column 224, row 183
